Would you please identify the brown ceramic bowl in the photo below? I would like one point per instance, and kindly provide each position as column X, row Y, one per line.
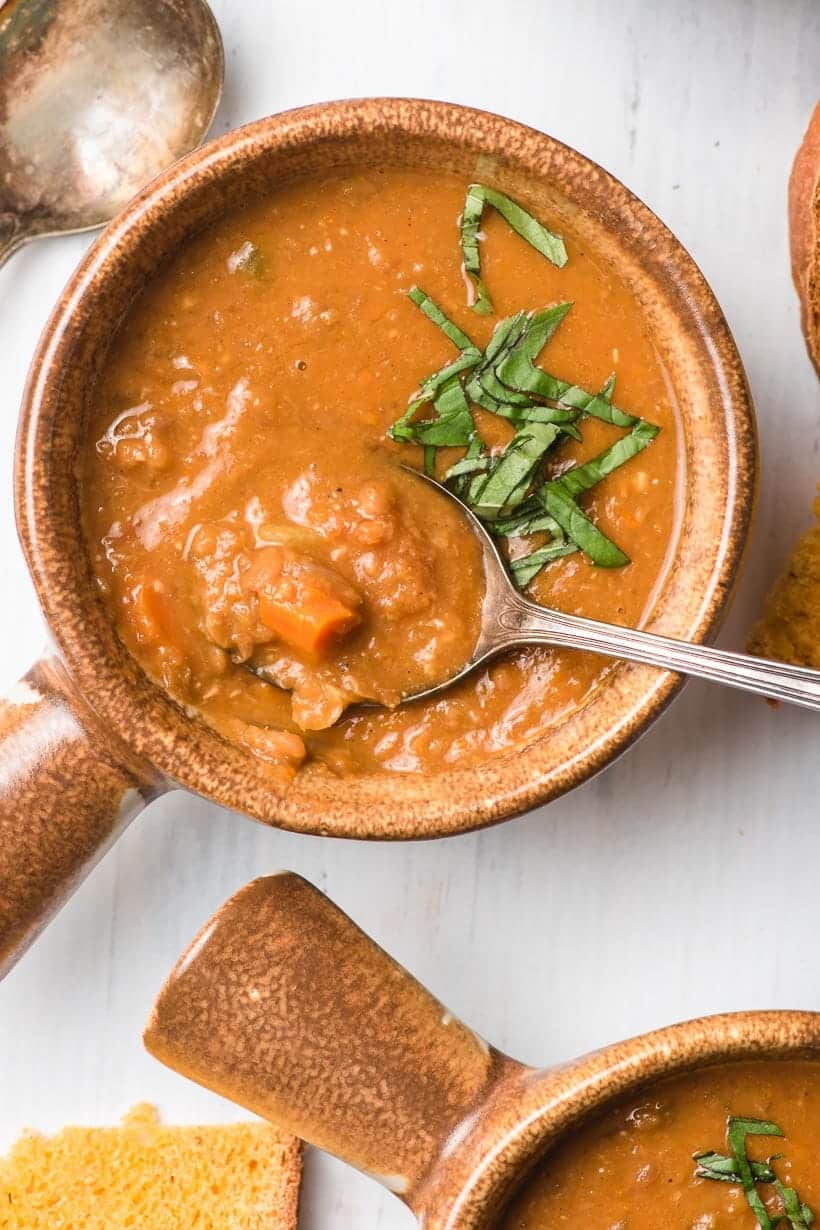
column 93, row 739
column 283, row 1005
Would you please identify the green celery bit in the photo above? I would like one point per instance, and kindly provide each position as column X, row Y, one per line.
column 430, row 460
column 583, row 478
column 512, row 474
column 579, row 529
column 433, row 312
column 525, row 569
column 523, row 223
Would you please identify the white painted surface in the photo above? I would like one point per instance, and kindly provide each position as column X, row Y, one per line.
column 685, row 879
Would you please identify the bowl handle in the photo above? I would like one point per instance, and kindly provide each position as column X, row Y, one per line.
column 283, row 1005
column 65, row 796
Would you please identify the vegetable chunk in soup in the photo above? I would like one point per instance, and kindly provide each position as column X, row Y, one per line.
column 726, row 1148
column 261, row 551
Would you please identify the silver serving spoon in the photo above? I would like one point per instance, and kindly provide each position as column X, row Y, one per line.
column 96, row 98
column 507, row 620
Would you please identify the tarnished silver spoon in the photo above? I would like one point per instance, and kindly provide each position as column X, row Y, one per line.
column 96, row 98
column 508, row 619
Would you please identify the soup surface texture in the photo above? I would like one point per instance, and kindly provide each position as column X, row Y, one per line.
column 244, row 506
column 633, row 1168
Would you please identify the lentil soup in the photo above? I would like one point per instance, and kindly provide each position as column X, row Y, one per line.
column 663, row 1159
column 259, row 548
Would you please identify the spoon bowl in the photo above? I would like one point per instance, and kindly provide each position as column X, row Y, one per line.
column 508, row 619
column 96, row 98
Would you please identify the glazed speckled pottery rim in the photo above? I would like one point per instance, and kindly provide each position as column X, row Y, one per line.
column 719, row 494
column 530, row 1112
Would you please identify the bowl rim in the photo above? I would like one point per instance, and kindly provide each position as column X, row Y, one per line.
column 535, row 1110
column 385, row 805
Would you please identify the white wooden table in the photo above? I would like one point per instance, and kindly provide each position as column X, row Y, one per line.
column 685, row 879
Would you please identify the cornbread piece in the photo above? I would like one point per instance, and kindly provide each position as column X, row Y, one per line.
column 790, row 628
column 804, row 233
column 146, row 1176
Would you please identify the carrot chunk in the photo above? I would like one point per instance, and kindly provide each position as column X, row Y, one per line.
column 311, row 622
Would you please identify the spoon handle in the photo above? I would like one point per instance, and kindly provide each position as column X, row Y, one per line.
column 798, row 685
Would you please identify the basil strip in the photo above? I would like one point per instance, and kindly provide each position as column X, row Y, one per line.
column 518, row 371
column 725, row 1169
column 530, row 519
column 799, row 1215
column 526, row 336
column 736, row 1135
column 470, row 226
column 578, row 527
column 475, row 452
column 513, row 472
column 403, row 428
column 524, row 224
column 525, row 569
column 466, row 360
column 583, row 478
column 453, row 426
column 739, row 1168
column 433, row 312
column 468, row 465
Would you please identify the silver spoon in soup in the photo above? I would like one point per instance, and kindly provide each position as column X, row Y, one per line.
column 508, row 619
column 96, row 98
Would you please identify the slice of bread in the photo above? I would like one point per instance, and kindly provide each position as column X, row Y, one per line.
column 804, row 233
column 790, row 628
column 146, row 1176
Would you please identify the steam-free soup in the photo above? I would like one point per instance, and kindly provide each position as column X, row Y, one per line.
column 260, row 550
column 672, row 1157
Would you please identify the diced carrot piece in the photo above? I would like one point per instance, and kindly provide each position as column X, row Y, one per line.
column 311, row 623
column 150, row 613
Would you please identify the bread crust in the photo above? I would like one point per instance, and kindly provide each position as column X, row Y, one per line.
column 804, row 233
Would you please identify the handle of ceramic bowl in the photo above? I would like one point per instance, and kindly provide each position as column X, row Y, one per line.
column 283, row 1005
column 64, row 798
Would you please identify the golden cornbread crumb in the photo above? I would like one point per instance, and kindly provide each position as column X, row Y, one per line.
column 143, row 1175
column 790, row 628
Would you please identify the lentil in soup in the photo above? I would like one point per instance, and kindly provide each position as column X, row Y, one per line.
column 663, row 1159
column 260, row 549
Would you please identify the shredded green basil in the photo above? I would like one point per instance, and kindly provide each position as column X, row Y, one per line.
column 524, row 224
column 738, row 1168
column 724, row 1169
column 510, row 490
column 584, row 477
column 433, row 312
column 527, row 567
column 579, row 529
column 514, row 469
